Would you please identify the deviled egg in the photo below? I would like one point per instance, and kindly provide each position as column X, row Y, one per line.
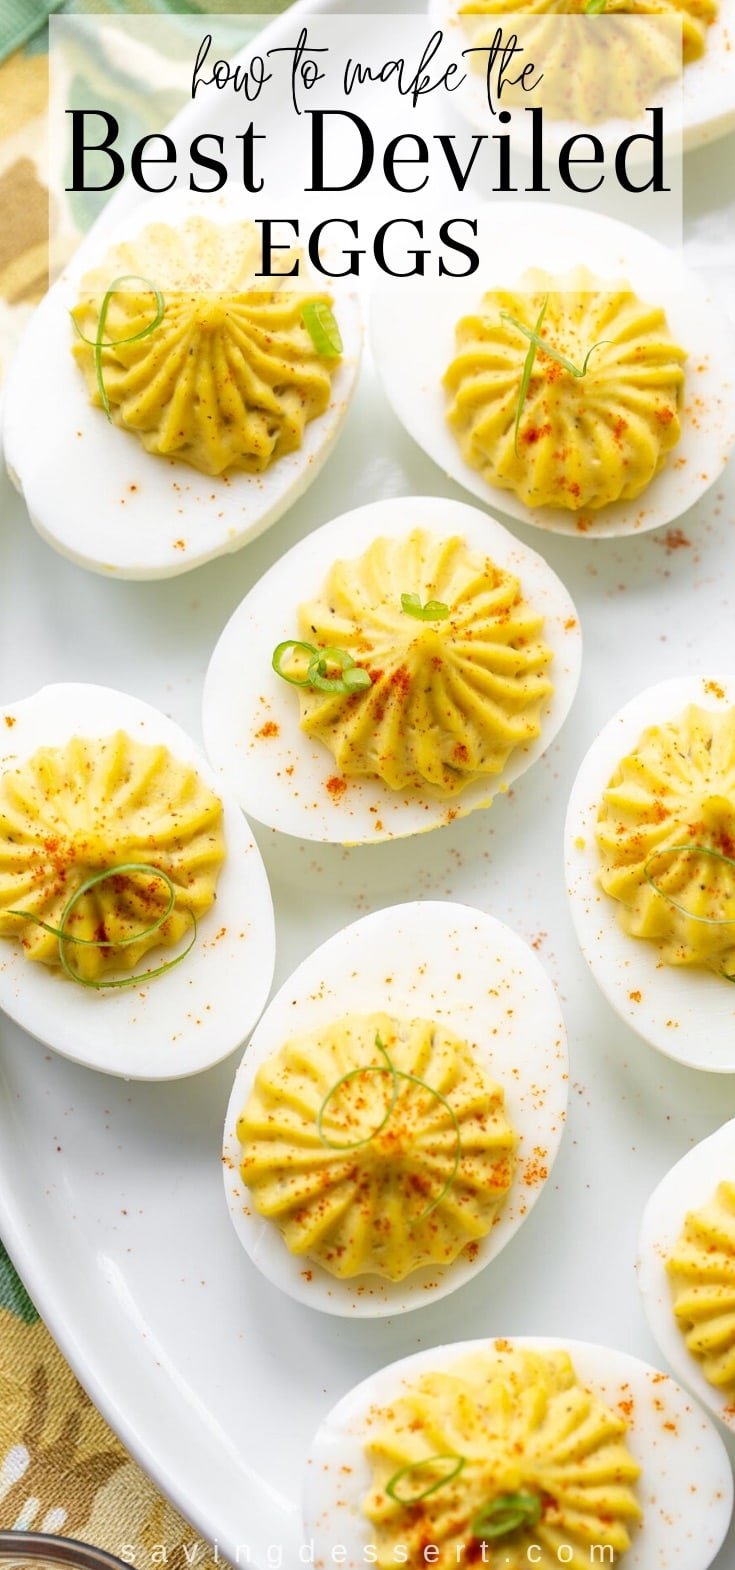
column 397, row 1111
column 686, row 1270
column 136, row 923
column 678, row 57
column 394, row 671
column 517, row 1452
column 586, row 398
column 650, row 865
column 168, row 403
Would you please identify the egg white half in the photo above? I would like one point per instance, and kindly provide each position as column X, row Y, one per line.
column 413, row 340
column 427, row 960
column 688, row 1186
column 91, row 488
column 685, row 1012
column 686, row 1487
column 251, row 716
column 196, row 1014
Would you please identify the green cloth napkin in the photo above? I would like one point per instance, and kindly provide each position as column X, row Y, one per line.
column 13, row 1295
column 26, row 21
column 21, row 20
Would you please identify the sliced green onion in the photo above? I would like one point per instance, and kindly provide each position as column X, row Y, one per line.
column 321, row 325
column 699, row 850
column 413, row 1080
column 65, row 937
column 708, row 921
column 370, row 1068
column 433, row 610
column 356, row 679
column 99, row 342
column 283, row 650
column 594, row 7
column 534, row 337
column 456, row 1465
column 353, row 677
column 506, row 1514
column 527, row 373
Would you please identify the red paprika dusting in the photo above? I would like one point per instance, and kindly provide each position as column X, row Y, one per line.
column 400, row 681
column 535, row 434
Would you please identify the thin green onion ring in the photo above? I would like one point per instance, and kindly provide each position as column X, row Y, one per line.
column 65, row 937
column 534, row 337
column 321, row 325
column 594, row 7
column 358, row 1144
column 415, row 1466
column 708, row 921
column 318, row 678
column 99, row 342
column 354, row 677
column 370, row 1068
column 701, row 850
column 527, row 373
column 433, row 610
column 505, row 1514
column 279, row 654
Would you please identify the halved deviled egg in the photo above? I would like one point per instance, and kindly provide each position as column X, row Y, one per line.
column 686, row 1270
column 518, row 1452
column 650, row 866
column 168, row 402
column 584, row 75
column 398, row 1110
column 594, row 396
column 394, row 671
column 136, row 923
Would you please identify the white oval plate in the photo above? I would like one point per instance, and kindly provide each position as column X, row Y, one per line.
column 193, row 1016
column 686, row 1013
column 702, row 111
column 429, row 960
column 688, row 1186
column 412, row 357
column 97, row 495
column 686, row 1489
column 281, row 779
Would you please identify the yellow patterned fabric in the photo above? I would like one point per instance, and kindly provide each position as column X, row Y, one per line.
column 61, row 1468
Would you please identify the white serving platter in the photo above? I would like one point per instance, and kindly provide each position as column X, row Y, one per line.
column 214, row 1379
